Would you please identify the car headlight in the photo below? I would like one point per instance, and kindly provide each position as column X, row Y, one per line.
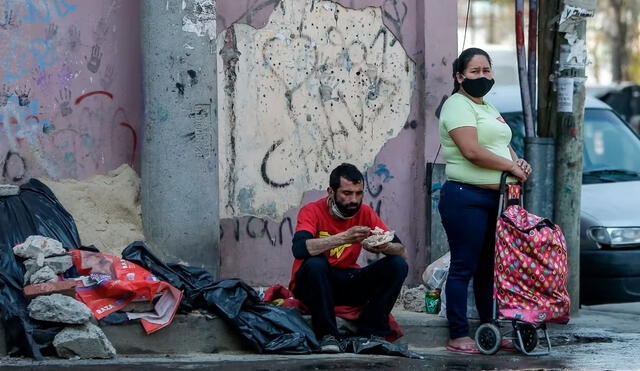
column 615, row 237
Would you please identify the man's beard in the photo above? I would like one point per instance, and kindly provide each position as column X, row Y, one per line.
column 344, row 211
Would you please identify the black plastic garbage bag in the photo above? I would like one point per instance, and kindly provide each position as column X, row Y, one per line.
column 44, row 333
column 361, row 345
column 190, row 280
column 268, row 328
column 13, row 308
column 35, row 211
column 117, row 319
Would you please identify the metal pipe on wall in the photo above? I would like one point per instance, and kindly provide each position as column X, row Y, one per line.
column 532, row 67
column 522, row 74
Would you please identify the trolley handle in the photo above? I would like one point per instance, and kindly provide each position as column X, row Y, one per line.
column 503, row 182
column 504, row 189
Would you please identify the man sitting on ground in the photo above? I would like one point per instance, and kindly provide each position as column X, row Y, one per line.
column 326, row 245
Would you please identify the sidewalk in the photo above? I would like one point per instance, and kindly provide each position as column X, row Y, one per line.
column 205, row 333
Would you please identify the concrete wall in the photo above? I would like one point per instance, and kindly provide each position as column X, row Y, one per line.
column 70, row 106
column 70, row 99
column 258, row 248
column 321, row 84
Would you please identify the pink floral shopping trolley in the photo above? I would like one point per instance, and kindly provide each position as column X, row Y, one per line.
column 530, row 277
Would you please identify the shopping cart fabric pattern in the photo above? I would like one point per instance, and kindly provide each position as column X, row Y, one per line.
column 531, row 268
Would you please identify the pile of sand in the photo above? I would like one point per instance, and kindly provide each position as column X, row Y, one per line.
column 106, row 208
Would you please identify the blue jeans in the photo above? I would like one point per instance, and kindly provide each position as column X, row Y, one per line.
column 469, row 218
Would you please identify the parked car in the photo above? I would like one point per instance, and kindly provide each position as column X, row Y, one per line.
column 625, row 100
column 610, row 206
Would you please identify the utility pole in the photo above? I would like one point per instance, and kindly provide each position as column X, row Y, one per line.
column 563, row 58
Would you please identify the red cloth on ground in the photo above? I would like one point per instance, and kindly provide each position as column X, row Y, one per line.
column 316, row 219
column 284, row 298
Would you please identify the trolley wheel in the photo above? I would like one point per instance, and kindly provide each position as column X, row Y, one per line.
column 488, row 338
column 529, row 336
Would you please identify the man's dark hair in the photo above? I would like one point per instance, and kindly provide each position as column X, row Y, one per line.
column 347, row 171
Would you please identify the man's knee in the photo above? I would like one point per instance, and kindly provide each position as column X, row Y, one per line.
column 397, row 266
column 315, row 265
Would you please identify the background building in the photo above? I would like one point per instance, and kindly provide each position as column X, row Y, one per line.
column 71, row 106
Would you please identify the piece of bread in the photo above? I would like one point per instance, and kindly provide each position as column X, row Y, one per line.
column 379, row 237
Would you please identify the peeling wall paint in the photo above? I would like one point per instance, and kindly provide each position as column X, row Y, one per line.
column 258, row 250
column 67, row 109
column 203, row 19
column 320, row 84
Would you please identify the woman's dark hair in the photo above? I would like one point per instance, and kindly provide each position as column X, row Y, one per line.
column 461, row 63
column 347, row 171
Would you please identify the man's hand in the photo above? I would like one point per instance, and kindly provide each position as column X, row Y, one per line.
column 355, row 234
column 375, row 249
column 352, row 236
column 389, row 248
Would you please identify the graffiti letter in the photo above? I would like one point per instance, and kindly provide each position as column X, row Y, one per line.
column 67, row 8
column 14, row 167
column 35, row 11
column 285, row 220
column 44, row 53
column 263, row 168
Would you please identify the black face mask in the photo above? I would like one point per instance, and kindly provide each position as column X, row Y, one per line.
column 477, row 88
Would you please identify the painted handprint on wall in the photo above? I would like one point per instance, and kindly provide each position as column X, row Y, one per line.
column 64, row 101
column 52, row 31
column 94, row 61
column 5, row 93
column 73, row 39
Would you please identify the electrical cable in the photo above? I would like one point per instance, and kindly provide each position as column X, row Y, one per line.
column 466, row 23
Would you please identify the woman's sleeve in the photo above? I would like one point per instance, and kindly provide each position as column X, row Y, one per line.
column 456, row 114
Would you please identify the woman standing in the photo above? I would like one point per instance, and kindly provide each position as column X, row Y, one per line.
column 475, row 141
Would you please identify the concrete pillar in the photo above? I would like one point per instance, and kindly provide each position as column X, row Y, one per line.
column 179, row 152
column 441, row 49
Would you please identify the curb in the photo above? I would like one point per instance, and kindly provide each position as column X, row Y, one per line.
column 203, row 333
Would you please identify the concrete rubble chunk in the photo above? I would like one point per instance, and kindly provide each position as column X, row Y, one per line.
column 59, row 308
column 43, row 275
column 9, row 190
column 39, row 247
column 85, row 341
column 59, row 264
column 413, row 299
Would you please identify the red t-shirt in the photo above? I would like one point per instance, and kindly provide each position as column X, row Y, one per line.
column 316, row 219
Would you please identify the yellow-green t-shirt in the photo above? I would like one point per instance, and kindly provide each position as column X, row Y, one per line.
column 493, row 134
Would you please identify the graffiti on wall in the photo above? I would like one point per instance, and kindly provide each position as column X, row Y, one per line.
column 59, row 114
column 259, row 249
column 319, row 85
column 281, row 233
